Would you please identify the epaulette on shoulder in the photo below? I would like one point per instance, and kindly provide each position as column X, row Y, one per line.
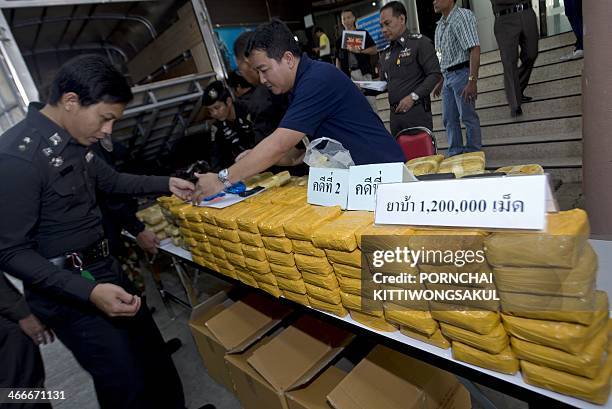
column 416, row 36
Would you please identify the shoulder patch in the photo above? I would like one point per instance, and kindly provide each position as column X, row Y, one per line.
column 20, row 142
column 416, row 36
column 388, row 46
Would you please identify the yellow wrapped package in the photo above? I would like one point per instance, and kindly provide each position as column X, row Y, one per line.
column 377, row 323
column 177, row 210
column 251, row 182
column 219, row 252
column 260, row 212
column 196, row 227
column 195, row 251
column 214, row 242
column 437, row 339
column 323, row 294
column 191, row 243
column 246, row 277
column 329, row 281
column 483, row 298
column 425, row 165
column 159, row 226
column 229, row 235
column 472, row 163
column 211, row 230
column 264, row 197
column 207, row 214
column 336, row 309
column 347, row 271
column 307, row 248
column 587, row 363
column 393, row 233
column 521, row 170
column 281, row 244
column 493, row 343
column 257, row 266
column 290, row 273
column 504, row 362
column 420, row 321
column 366, row 305
column 308, row 220
column 561, row 245
column 292, row 195
column 198, row 260
column 270, row 289
column 477, row 268
column 551, row 308
column 352, row 258
column 272, row 226
column 252, row 239
column 185, row 232
column 566, row 336
column 235, row 259
column 445, row 240
column 339, row 234
column 191, row 214
column 226, row 217
column 232, row 247
column 296, row 286
column 295, row 297
column 277, row 180
column 279, row 258
column 578, row 281
column 268, row 278
column 199, row 237
column 480, row 321
column 350, row 285
column 257, row 253
column 595, row 390
column 314, row 265
column 204, row 247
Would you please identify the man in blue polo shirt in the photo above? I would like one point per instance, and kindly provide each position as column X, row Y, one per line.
column 323, row 102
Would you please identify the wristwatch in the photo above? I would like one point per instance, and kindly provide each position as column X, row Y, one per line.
column 472, row 78
column 224, row 178
column 415, row 97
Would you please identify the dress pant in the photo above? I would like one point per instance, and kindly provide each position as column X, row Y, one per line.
column 415, row 116
column 573, row 12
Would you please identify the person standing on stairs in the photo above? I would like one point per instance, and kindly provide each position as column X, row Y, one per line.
column 458, row 48
column 573, row 12
column 516, row 25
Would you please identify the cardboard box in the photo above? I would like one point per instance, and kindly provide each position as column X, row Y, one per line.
column 364, row 180
column 314, row 395
column 328, row 187
column 387, row 379
column 276, row 365
column 228, row 323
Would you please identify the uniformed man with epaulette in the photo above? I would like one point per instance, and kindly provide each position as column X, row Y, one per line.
column 51, row 236
column 410, row 67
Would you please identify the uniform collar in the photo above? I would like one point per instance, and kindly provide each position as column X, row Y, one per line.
column 403, row 38
column 450, row 15
column 303, row 66
column 52, row 134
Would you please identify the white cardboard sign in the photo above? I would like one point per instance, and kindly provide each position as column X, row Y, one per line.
column 364, row 180
column 506, row 203
column 328, row 187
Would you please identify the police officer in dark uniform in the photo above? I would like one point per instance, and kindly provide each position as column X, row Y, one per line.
column 51, row 236
column 411, row 68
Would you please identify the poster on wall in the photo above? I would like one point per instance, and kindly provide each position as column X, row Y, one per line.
column 371, row 23
column 226, row 36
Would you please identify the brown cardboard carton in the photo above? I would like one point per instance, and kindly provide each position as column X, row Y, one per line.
column 229, row 322
column 314, row 395
column 387, row 379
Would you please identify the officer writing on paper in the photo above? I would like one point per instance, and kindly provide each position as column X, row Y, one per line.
column 323, row 102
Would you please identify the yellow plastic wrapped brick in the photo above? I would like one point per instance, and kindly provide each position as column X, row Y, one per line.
column 283, row 259
column 219, row 252
column 264, row 197
column 522, row 170
column 472, row 163
column 252, row 239
column 352, row 258
column 445, row 240
column 329, row 281
column 323, row 294
column 493, row 343
column 196, row 227
column 339, row 234
column 308, row 220
column 377, row 323
column 185, row 232
column 257, row 253
column 246, row 278
column 232, row 247
column 270, row 289
column 595, row 390
column 253, row 180
column 561, row 245
column 295, row 297
column 273, row 225
column 235, row 259
column 199, row 237
column 259, row 212
column 578, row 281
column 425, row 165
column 566, row 336
column 504, row 362
column 214, row 242
column 314, row 265
column 268, row 278
column 229, row 235
column 198, row 260
column 307, row 248
column 190, row 213
column 277, row 180
column 204, row 247
column 420, row 321
column 347, row 271
column 587, row 363
column 291, row 195
column 437, row 339
column 257, row 266
column 350, row 285
column 395, row 234
column 281, row 244
column 177, row 210
column 546, row 307
column 480, row 321
column 226, row 218
column 336, row 309
column 290, row 273
column 158, row 227
column 484, row 298
column 296, row 286
column 211, row 230
column 366, row 305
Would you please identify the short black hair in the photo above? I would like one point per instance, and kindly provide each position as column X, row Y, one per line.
column 397, row 9
column 318, row 30
column 93, row 78
column 215, row 92
column 235, row 80
column 275, row 39
column 349, row 11
column 241, row 43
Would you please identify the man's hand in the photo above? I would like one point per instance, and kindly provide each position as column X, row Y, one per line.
column 242, row 155
column 181, row 188
column 404, row 105
column 35, row 330
column 437, row 91
column 148, row 241
column 470, row 92
column 114, row 301
column 208, row 185
column 354, row 50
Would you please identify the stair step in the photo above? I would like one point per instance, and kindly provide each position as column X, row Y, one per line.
column 546, row 163
column 544, row 58
column 520, row 140
column 545, row 44
column 532, row 153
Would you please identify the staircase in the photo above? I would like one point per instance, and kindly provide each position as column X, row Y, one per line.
column 550, row 130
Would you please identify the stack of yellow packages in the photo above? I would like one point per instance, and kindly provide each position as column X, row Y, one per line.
column 557, row 320
column 199, row 241
column 155, row 221
column 521, row 170
column 425, row 165
column 172, row 230
column 472, row 163
column 215, row 235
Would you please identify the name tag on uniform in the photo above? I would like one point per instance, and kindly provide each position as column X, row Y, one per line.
column 405, row 53
column 89, row 157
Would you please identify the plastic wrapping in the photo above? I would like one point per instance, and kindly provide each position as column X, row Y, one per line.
column 246, row 277
column 214, row 242
column 257, row 266
column 226, row 217
column 302, row 226
column 339, row 234
column 280, row 244
column 327, row 153
column 437, row 339
column 267, row 278
column 273, row 225
column 336, row 309
column 235, row 259
column 350, row 285
column 185, row 232
column 295, row 297
column 570, row 282
column 307, row 248
column 196, row 227
column 293, row 195
column 251, row 239
column 207, row 214
column 561, row 245
column 229, row 235
column 283, row 259
column 257, row 253
column 253, row 181
column 485, row 304
column 420, row 321
column 587, row 363
column 323, row 294
column 425, row 165
column 446, row 239
column 521, row 170
column 260, row 212
column 347, row 271
column 357, row 303
column 210, row 229
column 504, row 362
column 352, row 258
column 199, row 237
column 595, row 390
column 472, row 163
column 270, row 289
column 290, row 273
column 482, row 322
column 377, row 323
column 392, row 231
column 314, row 265
column 232, row 247
column 296, row 286
column 191, row 214
column 328, row 281
column 277, row 180
column 219, row 252
column 494, row 342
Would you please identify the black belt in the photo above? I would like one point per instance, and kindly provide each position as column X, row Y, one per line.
column 465, row 64
column 76, row 259
column 517, row 8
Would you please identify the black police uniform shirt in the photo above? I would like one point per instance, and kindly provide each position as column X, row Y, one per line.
column 324, row 102
column 48, row 207
column 409, row 64
column 232, row 138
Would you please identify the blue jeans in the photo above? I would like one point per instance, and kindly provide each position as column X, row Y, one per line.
column 456, row 110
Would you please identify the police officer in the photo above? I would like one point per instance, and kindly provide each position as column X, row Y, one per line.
column 51, row 236
column 411, row 68
column 516, row 25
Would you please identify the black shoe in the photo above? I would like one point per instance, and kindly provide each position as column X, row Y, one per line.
column 525, row 98
column 173, row 345
column 208, row 406
column 517, row 112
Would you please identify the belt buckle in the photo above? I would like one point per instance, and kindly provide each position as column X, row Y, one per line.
column 105, row 249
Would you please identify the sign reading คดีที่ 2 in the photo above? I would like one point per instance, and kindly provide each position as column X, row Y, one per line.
column 328, row 186
column 363, row 181
column 519, row 202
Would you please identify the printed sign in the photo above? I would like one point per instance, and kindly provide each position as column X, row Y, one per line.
column 328, row 187
column 364, row 180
